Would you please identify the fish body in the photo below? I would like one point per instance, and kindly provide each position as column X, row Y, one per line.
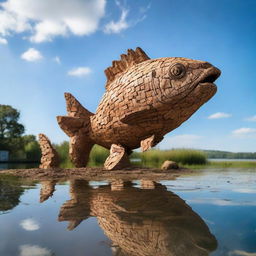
column 144, row 97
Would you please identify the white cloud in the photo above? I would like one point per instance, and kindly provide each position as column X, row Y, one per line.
column 80, row 71
column 34, row 250
column 3, row 41
column 219, row 115
column 30, row 224
column 244, row 131
column 31, row 55
column 57, row 59
column 252, row 118
column 44, row 20
column 241, row 253
column 11, row 22
column 46, row 30
column 115, row 27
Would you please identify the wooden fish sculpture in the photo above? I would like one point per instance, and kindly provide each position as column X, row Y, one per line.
column 144, row 100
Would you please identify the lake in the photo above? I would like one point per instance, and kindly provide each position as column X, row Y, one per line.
column 230, row 160
column 210, row 212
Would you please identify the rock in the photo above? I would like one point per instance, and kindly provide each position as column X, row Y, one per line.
column 168, row 165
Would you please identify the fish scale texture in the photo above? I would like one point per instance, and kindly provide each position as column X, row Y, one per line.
column 145, row 98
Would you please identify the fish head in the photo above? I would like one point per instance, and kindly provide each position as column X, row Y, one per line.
column 175, row 79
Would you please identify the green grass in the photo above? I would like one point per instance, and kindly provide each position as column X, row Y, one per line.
column 98, row 156
column 224, row 164
column 155, row 158
column 193, row 159
column 62, row 150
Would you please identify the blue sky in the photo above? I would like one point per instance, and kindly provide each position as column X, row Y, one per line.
column 54, row 46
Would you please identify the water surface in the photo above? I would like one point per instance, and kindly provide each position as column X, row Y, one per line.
column 207, row 213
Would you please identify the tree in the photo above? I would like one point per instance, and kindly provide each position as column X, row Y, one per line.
column 9, row 126
column 32, row 150
column 10, row 191
column 11, row 188
column 10, row 129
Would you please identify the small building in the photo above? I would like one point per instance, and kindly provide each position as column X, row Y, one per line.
column 4, row 155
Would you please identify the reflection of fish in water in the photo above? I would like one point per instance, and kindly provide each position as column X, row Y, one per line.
column 47, row 189
column 144, row 99
column 140, row 222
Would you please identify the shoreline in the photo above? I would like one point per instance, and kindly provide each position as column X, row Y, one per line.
column 96, row 173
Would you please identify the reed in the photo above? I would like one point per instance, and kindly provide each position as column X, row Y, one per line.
column 62, row 150
column 151, row 158
column 155, row 157
column 98, row 156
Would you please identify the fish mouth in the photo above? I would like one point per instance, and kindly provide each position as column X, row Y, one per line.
column 209, row 76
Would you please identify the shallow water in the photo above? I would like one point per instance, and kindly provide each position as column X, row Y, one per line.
column 207, row 213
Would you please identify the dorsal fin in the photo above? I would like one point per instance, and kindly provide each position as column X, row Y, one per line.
column 127, row 60
column 74, row 107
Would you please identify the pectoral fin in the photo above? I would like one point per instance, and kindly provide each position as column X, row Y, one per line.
column 70, row 125
column 77, row 126
column 139, row 116
column 80, row 143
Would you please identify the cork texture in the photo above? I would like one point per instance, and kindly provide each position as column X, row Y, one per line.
column 142, row 221
column 144, row 100
column 50, row 158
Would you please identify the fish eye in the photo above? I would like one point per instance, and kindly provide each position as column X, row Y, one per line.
column 177, row 70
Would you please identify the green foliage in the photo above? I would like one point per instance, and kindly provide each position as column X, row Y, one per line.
column 32, row 150
column 62, row 150
column 10, row 129
column 11, row 139
column 154, row 157
column 26, row 139
column 11, row 188
column 9, row 126
column 26, row 148
column 98, row 156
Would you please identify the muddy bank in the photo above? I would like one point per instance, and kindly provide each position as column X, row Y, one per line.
column 96, row 174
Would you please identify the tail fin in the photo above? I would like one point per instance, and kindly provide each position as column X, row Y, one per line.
column 77, row 126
